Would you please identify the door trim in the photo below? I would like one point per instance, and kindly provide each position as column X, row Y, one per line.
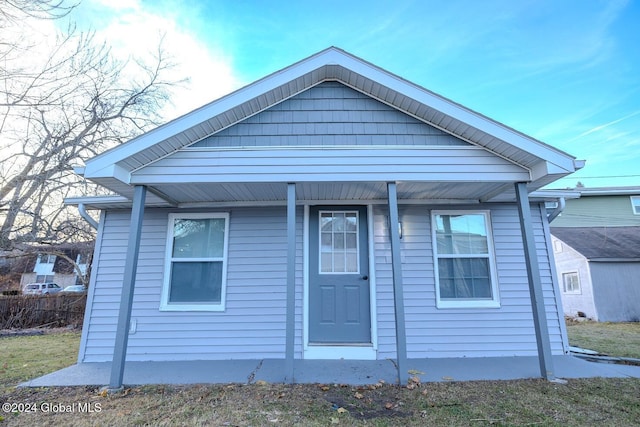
column 355, row 352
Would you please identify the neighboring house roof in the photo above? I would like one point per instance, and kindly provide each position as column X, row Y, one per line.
column 602, row 243
column 609, row 191
column 116, row 169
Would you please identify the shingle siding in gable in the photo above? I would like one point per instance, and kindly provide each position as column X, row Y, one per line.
column 329, row 114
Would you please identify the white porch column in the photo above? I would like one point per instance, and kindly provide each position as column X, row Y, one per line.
column 535, row 284
column 291, row 283
column 398, row 294
column 128, row 284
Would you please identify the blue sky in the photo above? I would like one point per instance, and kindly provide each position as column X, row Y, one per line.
column 566, row 72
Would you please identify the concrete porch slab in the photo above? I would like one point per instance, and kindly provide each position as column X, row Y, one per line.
column 328, row 371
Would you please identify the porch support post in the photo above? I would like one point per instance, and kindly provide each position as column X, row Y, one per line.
column 128, row 283
column 291, row 282
column 535, row 284
column 398, row 295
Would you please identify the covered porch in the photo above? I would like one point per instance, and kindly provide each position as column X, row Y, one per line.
column 352, row 372
column 386, row 196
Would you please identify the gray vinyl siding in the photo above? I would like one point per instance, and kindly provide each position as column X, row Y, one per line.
column 253, row 324
column 329, row 114
column 616, row 290
column 598, row 211
column 477, row 332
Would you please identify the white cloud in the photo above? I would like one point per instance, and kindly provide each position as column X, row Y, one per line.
column 134, row 31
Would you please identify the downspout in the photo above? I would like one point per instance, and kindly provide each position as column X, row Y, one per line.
column 83, row 213
column 557, row 211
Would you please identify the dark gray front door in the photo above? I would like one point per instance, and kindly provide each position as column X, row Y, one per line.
column 339, row 307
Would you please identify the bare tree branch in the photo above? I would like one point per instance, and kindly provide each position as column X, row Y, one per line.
column 59, row 110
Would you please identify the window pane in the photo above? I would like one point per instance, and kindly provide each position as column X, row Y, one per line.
column 196, row 282
column 198, row 238
column 635, row 203
column 326, row 265
column 350, row 221
column 338, row 241
column 338, row 262
column 338, row 221
column 326, row 242
column 352, row 241
column 352, row 262
column 461, row 234
column 325, row 221
column 464, row 278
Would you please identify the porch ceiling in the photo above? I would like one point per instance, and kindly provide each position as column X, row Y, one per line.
column 207, row 195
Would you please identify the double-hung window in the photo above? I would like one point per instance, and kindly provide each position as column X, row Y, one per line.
column 571, row 283
column 464, row 260
column 196, row 262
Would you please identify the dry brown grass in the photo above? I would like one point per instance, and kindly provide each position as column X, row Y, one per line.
column 585, row 402
column 613, row 339
column 529, row 402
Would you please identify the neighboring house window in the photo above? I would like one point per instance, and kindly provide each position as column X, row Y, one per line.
column 557, row 246
column 196, row 262
column 464, row 260
column 571, row 283
column 46, row 259
column 635, row 204
column 43, row 278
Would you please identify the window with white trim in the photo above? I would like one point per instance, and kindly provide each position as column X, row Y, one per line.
column 196, row 262
column 44, row 278
column 635, row 204
column 464, row 260
column 46, row 259
column 571, row 283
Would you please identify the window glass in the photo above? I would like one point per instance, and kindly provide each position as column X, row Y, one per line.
column 196, row 282
column 338, row 242
column 198, row 238
column 461, row 234
column 195, row 277
column 464, row 260
column 635, row 204
column 571, row 283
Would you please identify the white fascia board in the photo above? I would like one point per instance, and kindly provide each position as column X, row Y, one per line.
column 554, row 194
column 95, row 200
column 107, row 171
column 544, row 168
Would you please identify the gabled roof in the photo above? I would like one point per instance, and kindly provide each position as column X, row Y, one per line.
column 602, row 243
column 332, row 64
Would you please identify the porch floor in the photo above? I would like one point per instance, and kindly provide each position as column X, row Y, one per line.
column 328, row 371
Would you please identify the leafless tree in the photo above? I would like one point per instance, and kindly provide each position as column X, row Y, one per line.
column 59, row 105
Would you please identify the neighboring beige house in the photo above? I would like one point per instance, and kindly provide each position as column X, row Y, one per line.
column 47, row 267
column 596, row 243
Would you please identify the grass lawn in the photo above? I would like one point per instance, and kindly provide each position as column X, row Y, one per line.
column 527, row 402
column 613, row 339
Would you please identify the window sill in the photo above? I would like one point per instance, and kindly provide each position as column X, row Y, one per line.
column 467, row 304
column 192, row 307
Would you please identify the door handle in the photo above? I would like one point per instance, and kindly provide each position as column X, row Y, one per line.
column 365, row 277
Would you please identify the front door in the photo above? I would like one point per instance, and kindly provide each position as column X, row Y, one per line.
column 339, row 306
